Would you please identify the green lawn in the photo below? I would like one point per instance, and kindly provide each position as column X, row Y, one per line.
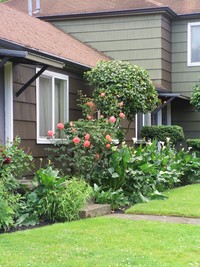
column 103, row 242
column 182, row 201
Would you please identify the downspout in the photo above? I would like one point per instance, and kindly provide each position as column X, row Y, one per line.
column 30, row 8
column 37, row 6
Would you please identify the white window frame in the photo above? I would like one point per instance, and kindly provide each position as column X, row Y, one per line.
column 53, row 75
column 189, row 47
column 8, row 81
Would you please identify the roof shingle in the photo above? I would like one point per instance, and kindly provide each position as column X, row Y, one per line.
column 32, row 33
column 61, row 7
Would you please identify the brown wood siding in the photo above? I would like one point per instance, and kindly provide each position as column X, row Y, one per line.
column 24, row 108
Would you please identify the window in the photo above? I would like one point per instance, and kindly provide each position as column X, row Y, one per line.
column 194, row 44
column 52, row 103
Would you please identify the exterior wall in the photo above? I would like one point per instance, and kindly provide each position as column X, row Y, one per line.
column 2, row 105
column 24, row 108
column 183, row 79
column 185, row 116
column 141, row 39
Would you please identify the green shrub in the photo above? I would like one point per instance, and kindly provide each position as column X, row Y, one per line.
column 54, row 199
column 161, row 133
column 194, row 145
column 116, row 198
column 195, row 97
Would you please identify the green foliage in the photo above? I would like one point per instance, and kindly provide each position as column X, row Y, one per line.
column 54, row 199
column 116, row 198
column 14, row 161
column 194, row 145
column 195, row 97
column 88, row 142
column 121, row 87
column 161, row 133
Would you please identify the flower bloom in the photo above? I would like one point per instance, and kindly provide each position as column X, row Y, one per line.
column 96, row 156
column 89, row 117
column 50, row 133
column 76, row 140
column 87, row 136
column 86, row 143
column 112, row 119
column 71, row 123
column 122, row 115
column 60, row 126
column 102, row 94
column 73, row 130
column 121, row 104
column 108, row 138
column 90, row 104
column 7, row 160
column 107, row 146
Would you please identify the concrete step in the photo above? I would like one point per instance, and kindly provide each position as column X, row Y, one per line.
column 94, row 210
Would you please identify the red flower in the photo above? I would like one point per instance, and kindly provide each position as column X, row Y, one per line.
column 76, row 140
column 60, row 126
column 50, row 133
column 87, row 136
column 7, row 160
column 107, row 146
column 108, row 138
column 122, row 115
column 87, row 143
column 112, row 119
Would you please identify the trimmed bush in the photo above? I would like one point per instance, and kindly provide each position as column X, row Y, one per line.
column 194, row 144
column 160, row 133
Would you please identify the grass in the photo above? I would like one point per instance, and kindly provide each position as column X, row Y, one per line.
column 103, row 242
column 183, row 201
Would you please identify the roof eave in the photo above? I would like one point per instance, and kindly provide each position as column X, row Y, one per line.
column 139, row 11
column 40, row 56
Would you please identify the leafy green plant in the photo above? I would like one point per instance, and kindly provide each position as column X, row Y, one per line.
column 194, row 145
column 195, row 97
column 54, row 198
column 162, row 133
column 116, row 198
column 121, row 87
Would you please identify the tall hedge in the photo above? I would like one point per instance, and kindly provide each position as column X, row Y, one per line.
column 160, row 133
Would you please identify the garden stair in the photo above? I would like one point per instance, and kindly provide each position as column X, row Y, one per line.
column 93, row 210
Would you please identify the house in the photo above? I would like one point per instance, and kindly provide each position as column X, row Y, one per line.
column 160, row 35
column 41, row 70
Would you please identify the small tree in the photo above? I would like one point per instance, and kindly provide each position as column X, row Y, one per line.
column 122, row 88
column 195, row 98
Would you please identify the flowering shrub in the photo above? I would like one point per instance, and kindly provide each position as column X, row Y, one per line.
column 88, row 143
column 14, row 162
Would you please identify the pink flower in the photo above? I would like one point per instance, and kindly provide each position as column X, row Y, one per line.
column 101, row 117
column 60, row 126
column 96, row 156
column 86, row 143
column 73, row 130
column 107, row 146
column 121, row 104
column 76, row 140
column 50, row 133
column 89, row 117
column 90, row 104
column 87, row 136
column 102, row 94
column 112, row 119
column 122, row 115
column 71, row 123
column 108, row 138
